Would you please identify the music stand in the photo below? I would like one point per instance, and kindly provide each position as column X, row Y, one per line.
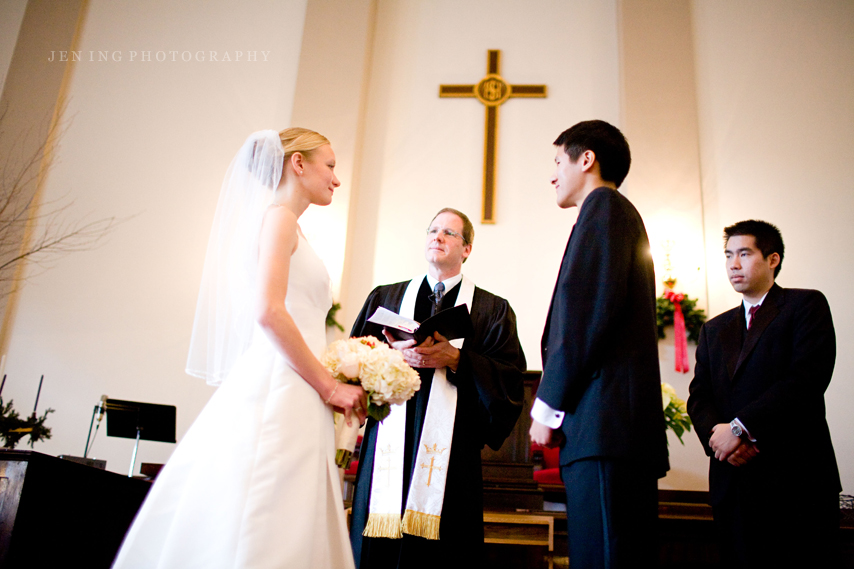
column 135, row 420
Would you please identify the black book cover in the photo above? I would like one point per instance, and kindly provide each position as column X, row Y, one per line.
column 452, row 323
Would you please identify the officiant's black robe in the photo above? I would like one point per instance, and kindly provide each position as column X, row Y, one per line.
column 489, row 382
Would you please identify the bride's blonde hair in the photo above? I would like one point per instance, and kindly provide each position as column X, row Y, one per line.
column 301, row 140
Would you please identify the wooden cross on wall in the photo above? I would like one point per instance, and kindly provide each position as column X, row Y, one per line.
column 492, row 91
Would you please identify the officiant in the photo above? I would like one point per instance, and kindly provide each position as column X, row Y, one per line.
column 419, row 488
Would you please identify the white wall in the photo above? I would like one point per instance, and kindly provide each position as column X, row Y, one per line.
column 150, row 142
column 330, row 98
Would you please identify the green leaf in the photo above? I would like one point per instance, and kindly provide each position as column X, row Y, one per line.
column 378, row 412
column 330, row 317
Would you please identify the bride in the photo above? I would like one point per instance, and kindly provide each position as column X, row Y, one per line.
column 253, row 483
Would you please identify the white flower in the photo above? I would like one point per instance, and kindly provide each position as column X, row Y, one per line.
column 668, row 394
column 388, row 378
column 343, row 358
column 382, row 372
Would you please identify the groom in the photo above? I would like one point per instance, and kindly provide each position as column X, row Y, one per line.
column 419, row 489
column 600, row 394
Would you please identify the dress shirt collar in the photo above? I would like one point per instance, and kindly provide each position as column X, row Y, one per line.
column 748, row 306
column 449, row 283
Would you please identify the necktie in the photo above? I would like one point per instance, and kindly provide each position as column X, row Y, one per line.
column 436, row 297
column 752, row 312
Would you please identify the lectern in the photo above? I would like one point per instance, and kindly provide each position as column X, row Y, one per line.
column 136, row 420
column 58, row 513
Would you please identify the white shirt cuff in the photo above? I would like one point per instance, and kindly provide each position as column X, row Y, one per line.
column 544, row 414
column 738, row 422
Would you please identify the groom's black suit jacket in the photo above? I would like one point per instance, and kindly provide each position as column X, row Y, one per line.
column 772, row 378
column 600, row 343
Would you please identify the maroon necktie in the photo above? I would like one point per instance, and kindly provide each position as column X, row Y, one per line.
column 752, row 311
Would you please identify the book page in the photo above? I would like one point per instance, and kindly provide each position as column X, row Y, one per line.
column 385, row 317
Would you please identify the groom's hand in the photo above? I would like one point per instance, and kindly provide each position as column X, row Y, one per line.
column 543, row 435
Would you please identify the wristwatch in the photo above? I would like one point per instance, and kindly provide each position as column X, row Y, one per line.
column 736, row 429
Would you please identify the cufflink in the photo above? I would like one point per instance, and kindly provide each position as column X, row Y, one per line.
column 736, row 429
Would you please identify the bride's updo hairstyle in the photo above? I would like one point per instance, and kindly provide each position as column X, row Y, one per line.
column 225, row 312
column 301, row 140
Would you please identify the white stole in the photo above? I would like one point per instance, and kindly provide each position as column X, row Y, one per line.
column 427, row 486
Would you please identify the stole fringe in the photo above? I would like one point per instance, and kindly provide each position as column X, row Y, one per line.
column 383, row 525
column 421, row 524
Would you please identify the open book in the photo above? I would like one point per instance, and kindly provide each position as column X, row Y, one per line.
column 451, row 323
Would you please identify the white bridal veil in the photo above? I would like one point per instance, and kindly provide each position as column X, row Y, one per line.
column 225, row 311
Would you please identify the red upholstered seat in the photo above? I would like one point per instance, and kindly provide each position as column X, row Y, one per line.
column 548, row 476
column 550, row 473
column 355, row 464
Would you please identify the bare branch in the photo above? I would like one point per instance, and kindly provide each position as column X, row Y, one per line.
column 79, row 238
column 51, row 233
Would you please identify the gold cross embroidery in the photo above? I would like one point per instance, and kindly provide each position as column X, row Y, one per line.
column 431, row 467
column 386, row 454
column 434, row 451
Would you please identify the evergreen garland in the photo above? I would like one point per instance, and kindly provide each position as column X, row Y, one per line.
column 694, row 317
column 330, row 317
column 13, row 428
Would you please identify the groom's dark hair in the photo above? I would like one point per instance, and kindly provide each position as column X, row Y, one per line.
column 607, row 143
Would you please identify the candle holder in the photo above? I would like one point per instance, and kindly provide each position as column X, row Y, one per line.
column 13, row 428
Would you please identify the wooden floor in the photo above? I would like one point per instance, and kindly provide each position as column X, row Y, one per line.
column 520, row 557
column 523, row 539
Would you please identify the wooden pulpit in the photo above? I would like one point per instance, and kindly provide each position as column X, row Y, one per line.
column 508, row 473
column 58, row 513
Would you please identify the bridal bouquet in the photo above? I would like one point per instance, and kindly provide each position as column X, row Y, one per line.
column 383, row 374
column 675, row 411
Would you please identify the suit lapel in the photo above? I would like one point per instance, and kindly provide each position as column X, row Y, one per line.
column 763, row 317
column 545, row 339
column 731, row 340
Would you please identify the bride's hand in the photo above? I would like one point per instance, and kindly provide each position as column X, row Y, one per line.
column 352, row 401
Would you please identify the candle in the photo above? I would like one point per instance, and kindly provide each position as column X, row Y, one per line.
column 36, row 406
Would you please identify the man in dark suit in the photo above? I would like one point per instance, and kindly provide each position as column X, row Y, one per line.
column 600, row 394
column 757, row 402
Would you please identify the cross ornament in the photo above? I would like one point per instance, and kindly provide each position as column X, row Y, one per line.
column 431, row 467
column 386, row 454
column 492, row 91
column 432, row 451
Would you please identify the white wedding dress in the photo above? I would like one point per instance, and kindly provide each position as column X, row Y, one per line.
column 253, row 483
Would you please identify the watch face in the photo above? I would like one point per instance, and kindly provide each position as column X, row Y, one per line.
column 736, row 430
